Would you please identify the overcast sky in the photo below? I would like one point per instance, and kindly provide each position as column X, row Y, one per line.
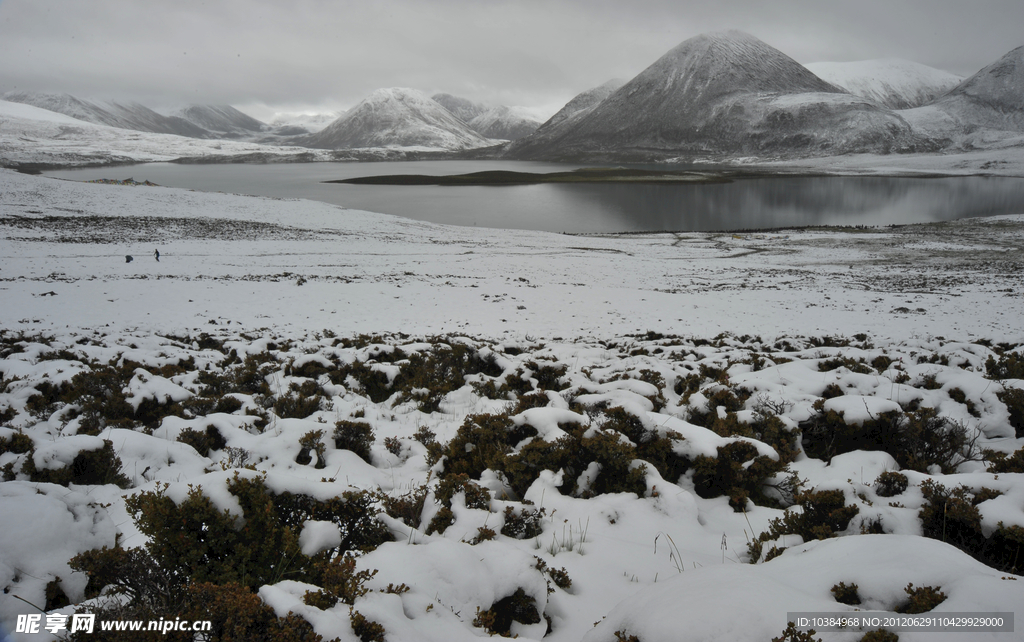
column 267, row 56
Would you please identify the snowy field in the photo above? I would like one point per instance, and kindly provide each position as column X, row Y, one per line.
column 637, row 409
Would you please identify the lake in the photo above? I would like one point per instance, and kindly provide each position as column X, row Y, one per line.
column 756, row 202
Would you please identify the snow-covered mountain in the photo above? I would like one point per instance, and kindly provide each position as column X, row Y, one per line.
column 892, row 83
column 463, row 108
column 224, row 120
column 123, row 115
column 585, row 101
column 397, row 117
column 307, row 122
column 723, row 94
column 992, row 98
column 496, row 122
column 507, row 123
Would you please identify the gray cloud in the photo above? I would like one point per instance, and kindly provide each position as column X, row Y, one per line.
column 320, row 54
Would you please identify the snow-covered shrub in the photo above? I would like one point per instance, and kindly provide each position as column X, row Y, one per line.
column 728, row 399
column 824, row 514
column 312, row 442
column 952, row 516
column 99, row 466
column 524, row 524
column 880, row 635
column 846, row 593
column 301, row 401
column 194, row 539
column 922, row 599
column 738, row 472
column 890, row 484
column 1000, row 463
column 793, row 634
column 846, row 362
column 407, row 507
column 917, row 439
column 203, row 442
column 247, row 378
column 356, row 436
column 339, row 581
column 1010, row 365
column 1014, row 400
column 474, row 496
column 518, row 607
column 601, row 453
column 482, row 442
column 548, row 377
column 19, row 443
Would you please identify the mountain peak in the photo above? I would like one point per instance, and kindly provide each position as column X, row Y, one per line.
column 397, row 116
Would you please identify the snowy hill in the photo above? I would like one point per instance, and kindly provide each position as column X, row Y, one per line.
column 308, row 122
column 507, row 123
column 222, row 119
column 892, row 83
column 397, row 118
column 462, row 108
column 585, row 101
column 723, row 93
column 123, row 115
column 992, row 98
column 32, row 137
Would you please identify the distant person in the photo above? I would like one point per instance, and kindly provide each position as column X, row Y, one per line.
column 156, row 253
column 128, row 258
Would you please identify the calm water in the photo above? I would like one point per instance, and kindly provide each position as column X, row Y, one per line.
column 744, row 203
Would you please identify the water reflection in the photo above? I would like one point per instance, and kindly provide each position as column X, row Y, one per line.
column 790, row 201
column 741, row 204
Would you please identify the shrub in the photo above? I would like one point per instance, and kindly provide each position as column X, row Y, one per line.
column 560, row 577
column 650, row 446
column 1000, row 463
column 518, row 607
column 101, row 466
column 481, row 443
column 203, row 442
column 922, row 599
column 312, row 442
column 18, row 443
column 475, row 497
column 890, row 484
column 239, row 614
column 846, row 594
column 356, row 436
column 195, row 540
column 525, row 524
column 825, row 514
column 483, row 534
column 300, row 402
column 1014, row 400
column 917, row 439
column 793, row 634
column 880, row 635
column 845, row 362
column 1009, row 366
column 952, row 516
column 366, row 630
column 407, row 507
column 738, row 472
column 339, row 581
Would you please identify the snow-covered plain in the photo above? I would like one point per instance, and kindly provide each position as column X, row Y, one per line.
column 297, row 277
